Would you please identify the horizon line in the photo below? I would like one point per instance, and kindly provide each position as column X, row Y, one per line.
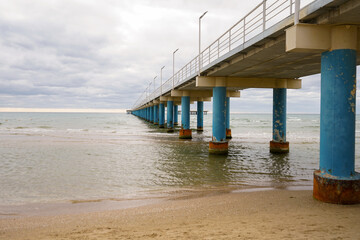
column 63, row 110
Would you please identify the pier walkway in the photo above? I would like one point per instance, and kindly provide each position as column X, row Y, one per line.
column 273, row 46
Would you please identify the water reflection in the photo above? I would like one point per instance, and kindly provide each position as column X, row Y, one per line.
column 278, row 166
column 188, row 163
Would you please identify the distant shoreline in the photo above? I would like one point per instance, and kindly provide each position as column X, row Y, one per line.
column 61, row 110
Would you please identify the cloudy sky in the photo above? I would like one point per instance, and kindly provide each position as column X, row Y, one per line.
column 103, row 53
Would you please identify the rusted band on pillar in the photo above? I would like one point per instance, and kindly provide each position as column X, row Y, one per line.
column 339, row 191
column 218, row 147
column 279, row 147
column 185, row 134
column 228, row 133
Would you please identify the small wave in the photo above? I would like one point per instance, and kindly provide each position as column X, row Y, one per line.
column 294, row 120
column 44, row 127
column 75, row 130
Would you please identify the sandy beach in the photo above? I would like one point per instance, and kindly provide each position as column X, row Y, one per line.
column 276, row 214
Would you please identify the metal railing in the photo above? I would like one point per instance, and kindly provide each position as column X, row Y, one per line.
column 263, row 16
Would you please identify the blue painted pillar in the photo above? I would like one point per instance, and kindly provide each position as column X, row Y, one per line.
column 161, row 115
column 337, row 120
column 176, row 115
column 200, row 116
column 185, row 131
column 219, row 145
column 151, row 114
column 170, row 116
column 156, row 114
column 279, row 143
column 228, row 130
column 147, row 114
column 336, row 181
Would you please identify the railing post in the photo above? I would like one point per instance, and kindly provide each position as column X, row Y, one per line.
column 209, row 55
column 264, row 14
column 229, row 40
column 244, row 32
column 197, row 65
column 291, row 12
column 297, row 9
column 218, row 43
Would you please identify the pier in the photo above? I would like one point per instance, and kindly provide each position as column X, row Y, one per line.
column 273, row 46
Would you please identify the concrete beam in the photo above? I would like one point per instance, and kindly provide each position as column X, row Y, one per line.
column 233, row 94
column 195, row 99
column 240, row 82
column 165, row 99
column 196, row 93
column 202, row 99
column 320, row 38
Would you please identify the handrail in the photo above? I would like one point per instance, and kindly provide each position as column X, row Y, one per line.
column 253, row 23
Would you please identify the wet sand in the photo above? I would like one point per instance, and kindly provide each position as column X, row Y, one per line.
column 277, row 214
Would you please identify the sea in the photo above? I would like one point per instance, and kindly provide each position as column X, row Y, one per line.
column 73, row 157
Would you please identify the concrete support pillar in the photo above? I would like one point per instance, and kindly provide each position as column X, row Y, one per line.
column 151, row 114
column 200, row 116
column 161, row 115
column 185, row 131
column 219, row 145
column 170, row 116
column 279, row 143
column 228, row 130
column 336, row 181
column 148, row 114
column 176, row 117
column 156, row 114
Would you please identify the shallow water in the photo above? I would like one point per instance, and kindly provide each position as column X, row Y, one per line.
column 54, row 157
